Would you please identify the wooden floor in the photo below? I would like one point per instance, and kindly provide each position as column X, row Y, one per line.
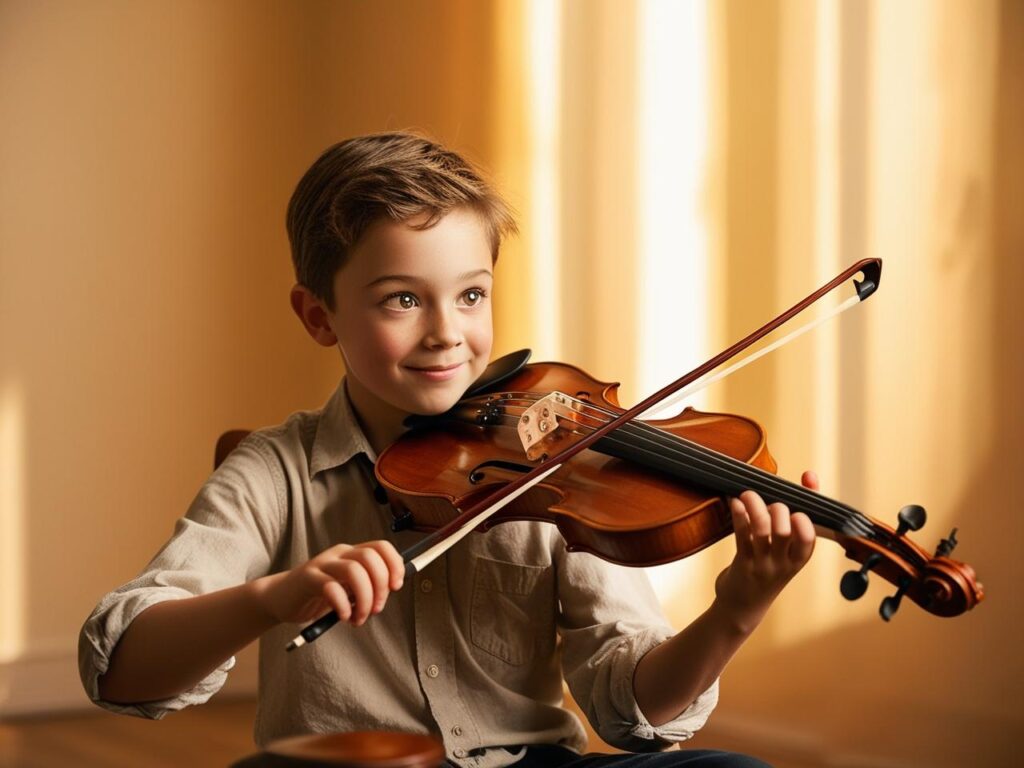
column 216, row 734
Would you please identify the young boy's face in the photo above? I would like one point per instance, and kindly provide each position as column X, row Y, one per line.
column 413, row 316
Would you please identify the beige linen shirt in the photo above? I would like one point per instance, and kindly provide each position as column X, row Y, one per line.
column 472, row 649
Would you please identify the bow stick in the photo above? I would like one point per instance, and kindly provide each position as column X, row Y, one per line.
column 428, row 549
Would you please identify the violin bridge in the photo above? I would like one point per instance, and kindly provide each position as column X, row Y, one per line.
column 546, row 425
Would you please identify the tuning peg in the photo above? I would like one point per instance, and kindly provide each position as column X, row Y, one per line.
column 911, row 518
column 855, row 583
column 946, row 546
column 890, row 605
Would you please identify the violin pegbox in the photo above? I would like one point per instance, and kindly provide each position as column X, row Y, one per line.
column 938, row 584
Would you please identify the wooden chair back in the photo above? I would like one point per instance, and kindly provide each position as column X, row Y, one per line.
column 226, row 443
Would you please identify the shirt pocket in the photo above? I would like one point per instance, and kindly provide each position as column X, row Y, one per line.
column 511, row 615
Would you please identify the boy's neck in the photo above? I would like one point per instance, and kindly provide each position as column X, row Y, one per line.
column 381, row 423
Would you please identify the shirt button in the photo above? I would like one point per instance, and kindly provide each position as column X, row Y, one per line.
column 460, row 753
column 457, row 730
column 426, row 585
column 433, row 670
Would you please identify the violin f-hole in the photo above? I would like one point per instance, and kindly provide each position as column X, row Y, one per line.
column 478, row 474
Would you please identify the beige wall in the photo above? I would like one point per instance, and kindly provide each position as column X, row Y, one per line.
column 147, row 151
column 911, row 398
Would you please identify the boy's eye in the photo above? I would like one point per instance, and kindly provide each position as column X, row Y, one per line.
column 473, row 296
column 400, row 300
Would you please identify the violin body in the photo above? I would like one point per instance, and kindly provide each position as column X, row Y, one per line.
column 636, row 506
column 613, row 508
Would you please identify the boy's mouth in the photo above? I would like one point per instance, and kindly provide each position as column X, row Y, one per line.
column 436, row 372
column 451, row 367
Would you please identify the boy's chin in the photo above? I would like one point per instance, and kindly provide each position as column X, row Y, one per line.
column 434, row 400
column 434, row 406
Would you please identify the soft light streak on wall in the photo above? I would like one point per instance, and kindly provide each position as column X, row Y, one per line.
column 673, row 151
column 12, row 508
column 826, row 233
column 673, row 241
column 543, row 29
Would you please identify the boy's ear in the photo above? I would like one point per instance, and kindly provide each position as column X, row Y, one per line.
column 313, row 314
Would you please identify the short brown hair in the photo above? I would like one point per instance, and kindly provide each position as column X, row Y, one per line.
column 394, row 175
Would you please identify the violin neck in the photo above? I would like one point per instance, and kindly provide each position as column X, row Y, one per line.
column 654, row 448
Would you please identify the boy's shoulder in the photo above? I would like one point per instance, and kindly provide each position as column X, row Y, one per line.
column 311, row 440
column 290, row 439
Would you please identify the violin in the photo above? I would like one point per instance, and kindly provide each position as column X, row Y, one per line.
column 646, row 492
column 649, row 493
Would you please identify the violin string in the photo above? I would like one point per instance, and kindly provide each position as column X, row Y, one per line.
column 847, row 520
column 747, row 475
column 852, row 521
column 696, row 459
column 710, row 467
column 833, row 514
column 715, row 468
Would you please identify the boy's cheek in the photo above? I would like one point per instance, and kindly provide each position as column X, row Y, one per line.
column 373, row 349
column 482, row 338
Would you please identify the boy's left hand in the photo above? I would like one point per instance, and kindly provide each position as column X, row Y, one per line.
column 772, row 545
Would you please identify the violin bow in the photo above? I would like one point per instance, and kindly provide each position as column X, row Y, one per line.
column 428, row 549
column 864, row 289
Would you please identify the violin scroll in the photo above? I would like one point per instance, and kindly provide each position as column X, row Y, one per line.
column 940, row 585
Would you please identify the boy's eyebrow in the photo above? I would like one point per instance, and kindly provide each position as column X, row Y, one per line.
column 475, row 273
column 414, row 279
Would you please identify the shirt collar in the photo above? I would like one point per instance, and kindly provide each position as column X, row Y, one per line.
column 338, row 435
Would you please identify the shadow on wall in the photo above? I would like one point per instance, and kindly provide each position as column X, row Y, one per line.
column 923, row 690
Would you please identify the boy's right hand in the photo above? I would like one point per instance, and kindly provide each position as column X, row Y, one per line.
column 353, row 581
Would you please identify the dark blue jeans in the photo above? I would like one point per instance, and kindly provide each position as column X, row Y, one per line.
column 560, row 757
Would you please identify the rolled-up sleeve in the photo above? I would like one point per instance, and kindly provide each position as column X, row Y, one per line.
column 228, row 536
column 609, row 619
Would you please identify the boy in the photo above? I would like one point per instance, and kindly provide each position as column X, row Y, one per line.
column 394, row 239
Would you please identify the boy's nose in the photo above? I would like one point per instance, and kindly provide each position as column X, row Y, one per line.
column 443, row 332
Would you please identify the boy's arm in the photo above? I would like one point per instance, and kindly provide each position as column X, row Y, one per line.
column 771, row 547
column 174, row 644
